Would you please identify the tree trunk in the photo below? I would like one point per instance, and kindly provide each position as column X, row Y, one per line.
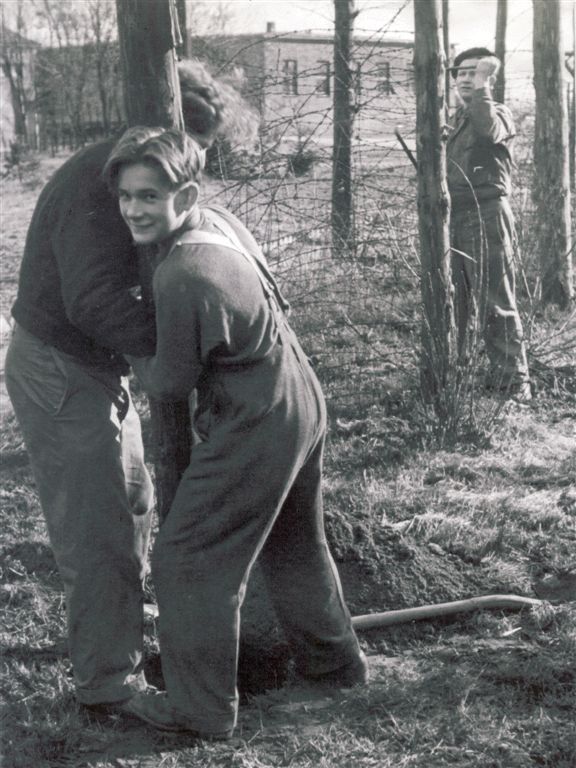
column 447, row 52
column 184, row 47
column 148, row 34
column 551, row 160
column 342, row 233
column 17, row 98
column 572, row 138
column 500, row 49
column 147, row 37
column 438, row 332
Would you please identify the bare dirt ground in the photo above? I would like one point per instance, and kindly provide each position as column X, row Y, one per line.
column 409, row 525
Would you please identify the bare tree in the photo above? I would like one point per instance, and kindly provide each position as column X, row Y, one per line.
column 102, row 19
column 148, row 43
column 63, row 71
column 551, row 161
column 500, row 49
column 571, row 67
column 208, row 17
column 16, row 62
column 438, row 332
column 76, row 73
column 446, row 34
column 343, row 122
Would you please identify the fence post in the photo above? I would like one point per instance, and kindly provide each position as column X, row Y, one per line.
column 343, row 120
column 500, row 49
column 438, row 335
column 551, row 162
column 148, row 37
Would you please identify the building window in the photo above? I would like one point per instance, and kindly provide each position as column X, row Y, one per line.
column 324, row 81
column 384, row 78
column 290, row 77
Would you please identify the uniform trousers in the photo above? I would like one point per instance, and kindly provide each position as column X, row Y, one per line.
column 483, row 272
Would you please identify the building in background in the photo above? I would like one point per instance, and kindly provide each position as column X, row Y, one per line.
column 289, row 79
column 73, row 95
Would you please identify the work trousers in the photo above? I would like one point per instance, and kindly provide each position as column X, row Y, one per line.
column 85, row 448
column 482, row 239
column 253, row 488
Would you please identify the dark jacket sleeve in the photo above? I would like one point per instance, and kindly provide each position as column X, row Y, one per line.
column 490, row 120
column 97, row 263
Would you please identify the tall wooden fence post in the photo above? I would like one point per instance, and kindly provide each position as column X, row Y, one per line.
column 551, row 161
column 438, row 335
column 500, row 49
column 148, row 35
column 447, row 52
column 343, row 121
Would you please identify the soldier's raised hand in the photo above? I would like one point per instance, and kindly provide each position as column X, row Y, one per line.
column 486, row 70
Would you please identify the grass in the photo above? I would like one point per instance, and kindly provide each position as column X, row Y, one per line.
column 410, row 522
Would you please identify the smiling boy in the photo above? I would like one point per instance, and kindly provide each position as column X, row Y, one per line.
column 479, row 155
column 253, row 485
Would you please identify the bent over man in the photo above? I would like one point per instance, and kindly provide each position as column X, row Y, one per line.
column 76, row 318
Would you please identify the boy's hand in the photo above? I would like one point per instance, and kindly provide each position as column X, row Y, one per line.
column 486, row 69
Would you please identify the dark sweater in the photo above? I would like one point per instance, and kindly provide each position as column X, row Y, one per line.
column 79, row 262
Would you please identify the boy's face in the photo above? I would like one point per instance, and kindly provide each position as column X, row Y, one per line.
column 465, row 78
column 151, row 208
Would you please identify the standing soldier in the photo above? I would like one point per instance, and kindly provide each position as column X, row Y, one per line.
column 479, row 155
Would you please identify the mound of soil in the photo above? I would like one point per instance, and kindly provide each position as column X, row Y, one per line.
column 389, row 571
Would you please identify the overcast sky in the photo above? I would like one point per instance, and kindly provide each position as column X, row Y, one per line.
column 471, row 21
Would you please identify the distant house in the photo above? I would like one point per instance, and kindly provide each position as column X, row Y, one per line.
column 289, row 78
column 79, row 95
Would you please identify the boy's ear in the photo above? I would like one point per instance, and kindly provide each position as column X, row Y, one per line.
column 186, row 198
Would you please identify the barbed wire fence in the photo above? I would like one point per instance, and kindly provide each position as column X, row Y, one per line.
column 359, row 318
column 355, row 316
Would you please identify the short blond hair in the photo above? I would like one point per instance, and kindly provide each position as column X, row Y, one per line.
column 177, row 154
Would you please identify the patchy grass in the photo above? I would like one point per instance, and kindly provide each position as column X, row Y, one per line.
column 410, row 524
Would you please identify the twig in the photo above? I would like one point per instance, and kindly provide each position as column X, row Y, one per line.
column 406, row 149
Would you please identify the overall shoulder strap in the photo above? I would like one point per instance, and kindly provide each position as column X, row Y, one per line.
column 267, row 280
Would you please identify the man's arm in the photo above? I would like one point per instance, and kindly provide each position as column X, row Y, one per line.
column 490, row 120
column 97, row 264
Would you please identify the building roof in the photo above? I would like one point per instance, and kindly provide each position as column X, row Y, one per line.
column 308, row 37
column 9, row 38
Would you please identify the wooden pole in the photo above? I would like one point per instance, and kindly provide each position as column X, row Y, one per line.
column 438, row 332
column 343, row 120
column 551, row 161
column 148, row 35
column 500, row 49
column 387, row 619
column 420, row 613
column 446, row 34
column 184, row 48
column 572, row 132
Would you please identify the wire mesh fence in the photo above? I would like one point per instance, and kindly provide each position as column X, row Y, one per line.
column 356, row 315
